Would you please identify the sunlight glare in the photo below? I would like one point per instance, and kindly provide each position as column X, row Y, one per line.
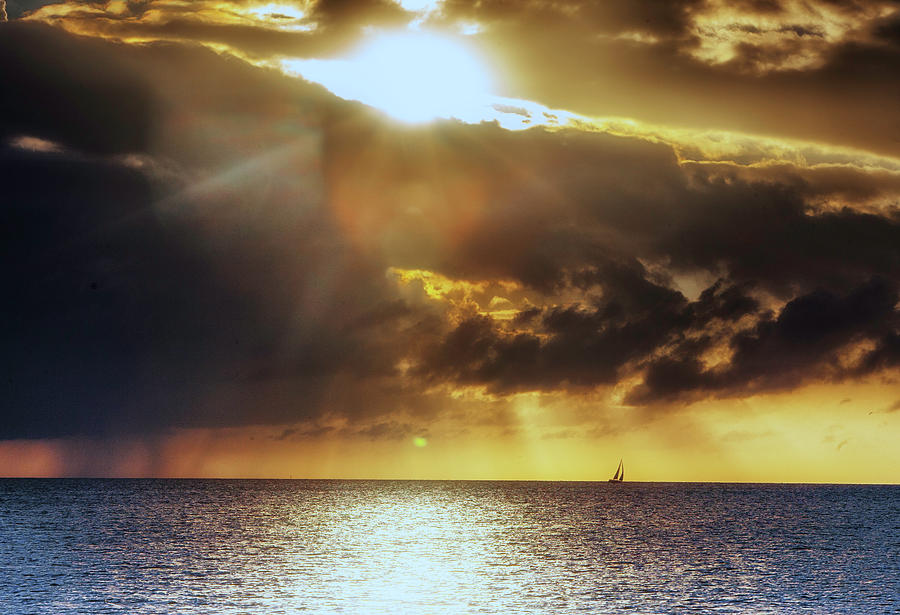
column 414, row 77
column 418, row 6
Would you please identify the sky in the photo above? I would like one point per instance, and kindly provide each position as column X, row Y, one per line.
column 470, row 239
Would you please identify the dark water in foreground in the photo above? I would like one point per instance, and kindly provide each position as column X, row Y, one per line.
column 203, row 546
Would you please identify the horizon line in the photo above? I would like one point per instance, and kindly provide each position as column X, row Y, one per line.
column 469, row 480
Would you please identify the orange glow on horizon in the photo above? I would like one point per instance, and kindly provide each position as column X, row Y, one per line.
column 805, row 436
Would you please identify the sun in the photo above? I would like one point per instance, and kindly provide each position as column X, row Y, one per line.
column 412, row 76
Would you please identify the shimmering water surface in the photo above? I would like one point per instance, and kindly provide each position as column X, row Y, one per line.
column 207, row 546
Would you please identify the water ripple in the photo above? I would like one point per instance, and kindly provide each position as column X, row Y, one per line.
column 392, row 547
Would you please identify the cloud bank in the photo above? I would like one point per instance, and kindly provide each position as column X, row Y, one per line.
column 190, row 240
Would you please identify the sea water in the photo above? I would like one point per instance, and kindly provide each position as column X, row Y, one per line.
column 234, row 546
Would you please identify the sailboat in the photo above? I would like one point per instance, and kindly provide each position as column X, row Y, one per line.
column 619, row 476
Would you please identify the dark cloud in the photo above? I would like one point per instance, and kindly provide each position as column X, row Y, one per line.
column 663, row 18
column 295, row 433
column 785, row 80
column 765, row 232
column 578, row 348
column 100, row 105
column 570, row 212
column 140, row 301
column 888, row 30
column 762, row 232
column 725, row 302
column 598, row 198
column 799, row 344
column 113, row 98
column 122, row 319
column 358, row 12
column 884, row 356
column 821, row 186
column 203, row 243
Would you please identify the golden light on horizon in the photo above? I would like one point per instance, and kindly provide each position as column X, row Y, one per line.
column 811, row 436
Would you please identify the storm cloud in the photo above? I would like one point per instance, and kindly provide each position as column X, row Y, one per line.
column 190, row 240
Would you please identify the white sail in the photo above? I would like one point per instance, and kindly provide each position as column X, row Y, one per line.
column 620, row 472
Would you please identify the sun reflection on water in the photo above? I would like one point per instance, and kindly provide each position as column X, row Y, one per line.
column 402, row 546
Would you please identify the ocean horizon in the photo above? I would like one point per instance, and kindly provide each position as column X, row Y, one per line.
column 597, row 481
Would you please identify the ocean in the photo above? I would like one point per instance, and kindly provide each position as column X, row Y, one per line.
column 99, row 546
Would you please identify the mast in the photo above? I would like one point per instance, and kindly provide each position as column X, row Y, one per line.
column 622, row 475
